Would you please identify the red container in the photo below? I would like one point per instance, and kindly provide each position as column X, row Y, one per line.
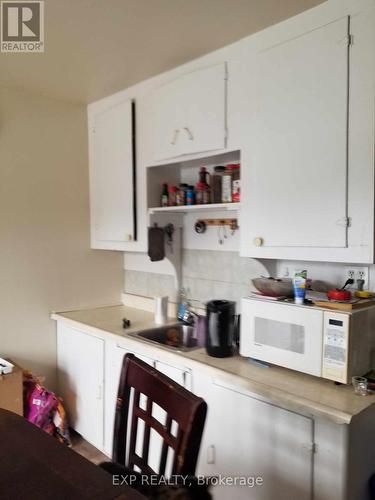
column 341, row 295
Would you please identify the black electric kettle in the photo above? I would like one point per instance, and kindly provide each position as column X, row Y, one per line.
column 220, row 328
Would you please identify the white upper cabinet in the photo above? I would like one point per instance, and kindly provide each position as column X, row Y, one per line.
column 189, row 114
column 300, row 164
column 112, row 174
column 308, row 165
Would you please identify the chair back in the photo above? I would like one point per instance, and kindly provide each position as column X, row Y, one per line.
column 143, row 394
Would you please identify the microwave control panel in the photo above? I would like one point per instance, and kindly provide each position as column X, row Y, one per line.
column 335, row 346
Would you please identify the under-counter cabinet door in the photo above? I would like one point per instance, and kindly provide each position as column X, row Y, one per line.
column 189, row 114
column 112, row 172
column 80, row 359
column 248, row 438
column 296, row 192
column 178, row 374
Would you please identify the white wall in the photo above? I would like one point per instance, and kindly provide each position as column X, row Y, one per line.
column 45, row 260
column 331, row 272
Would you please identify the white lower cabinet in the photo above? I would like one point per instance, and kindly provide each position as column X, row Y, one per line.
column 80, row 359
column 180, row 375
column 246, row 438
column 243, row 436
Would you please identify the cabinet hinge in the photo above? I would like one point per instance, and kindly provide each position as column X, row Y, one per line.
column 310, row 447
column 345, row 222
column 346, row 41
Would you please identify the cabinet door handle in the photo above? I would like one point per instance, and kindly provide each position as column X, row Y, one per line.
column 211, row 454
column 99, row 392
column 175, row 136
column 189, row 133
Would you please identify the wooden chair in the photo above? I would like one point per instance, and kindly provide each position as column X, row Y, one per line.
column 181, row 406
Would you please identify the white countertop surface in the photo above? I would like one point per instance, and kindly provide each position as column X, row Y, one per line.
column 289, row 389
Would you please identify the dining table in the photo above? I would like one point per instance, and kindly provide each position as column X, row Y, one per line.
column 36, row 466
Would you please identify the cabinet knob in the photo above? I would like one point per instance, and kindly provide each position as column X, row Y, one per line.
column 128, row 237
column 258, row 241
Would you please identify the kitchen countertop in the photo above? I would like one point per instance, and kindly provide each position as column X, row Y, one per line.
column 296, row 391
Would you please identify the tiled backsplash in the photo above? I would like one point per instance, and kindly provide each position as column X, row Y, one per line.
column 210, row 274
column 206, row 275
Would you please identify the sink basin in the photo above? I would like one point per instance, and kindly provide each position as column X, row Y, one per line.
column 177, row 336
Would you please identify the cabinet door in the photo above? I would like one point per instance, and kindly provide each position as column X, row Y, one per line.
column 296, row 192
column 167, row 115
column 179, row 375
column 81, row 377
column 249, row 438
column 111, row 174
column 190, row 113
column 113, row 364
column 205, row 116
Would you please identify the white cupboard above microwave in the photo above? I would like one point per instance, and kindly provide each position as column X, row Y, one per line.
column 112, row 174
column 308, row 168
column 189, row 114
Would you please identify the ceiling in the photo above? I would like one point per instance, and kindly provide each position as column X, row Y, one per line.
column 94, row 48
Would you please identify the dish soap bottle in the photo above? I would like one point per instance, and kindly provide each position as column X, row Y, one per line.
column 182, row 305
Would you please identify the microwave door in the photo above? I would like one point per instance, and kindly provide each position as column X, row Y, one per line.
column 284, row 335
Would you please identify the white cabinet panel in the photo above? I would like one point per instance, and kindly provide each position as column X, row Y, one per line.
column 111, row 174
column 167, row 115
column 205, row 96
column 179, row 375
column 189, row 114
column 251, row 438
column 81, row 381
column 295, row 194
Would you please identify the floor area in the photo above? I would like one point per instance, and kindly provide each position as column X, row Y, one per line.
column 86, row 449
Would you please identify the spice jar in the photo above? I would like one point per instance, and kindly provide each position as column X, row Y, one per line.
column 172, row 190
column 226, row 193
column 190, row 195
column 216, row 184
column 181, row 195
column 202, row 194
column 236, row 183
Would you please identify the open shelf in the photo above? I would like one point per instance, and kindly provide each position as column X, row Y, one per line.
column 211, row 207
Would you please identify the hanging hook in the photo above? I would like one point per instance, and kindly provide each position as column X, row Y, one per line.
column 218, row 235
column 224, row 231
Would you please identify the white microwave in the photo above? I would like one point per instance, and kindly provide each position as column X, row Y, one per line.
column 335, row 345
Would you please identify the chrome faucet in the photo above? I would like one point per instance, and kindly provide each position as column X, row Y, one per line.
column 189, row 316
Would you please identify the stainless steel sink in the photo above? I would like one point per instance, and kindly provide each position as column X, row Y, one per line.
column 177, row 336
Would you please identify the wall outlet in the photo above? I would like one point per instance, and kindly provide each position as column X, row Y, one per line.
column 355, row 273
